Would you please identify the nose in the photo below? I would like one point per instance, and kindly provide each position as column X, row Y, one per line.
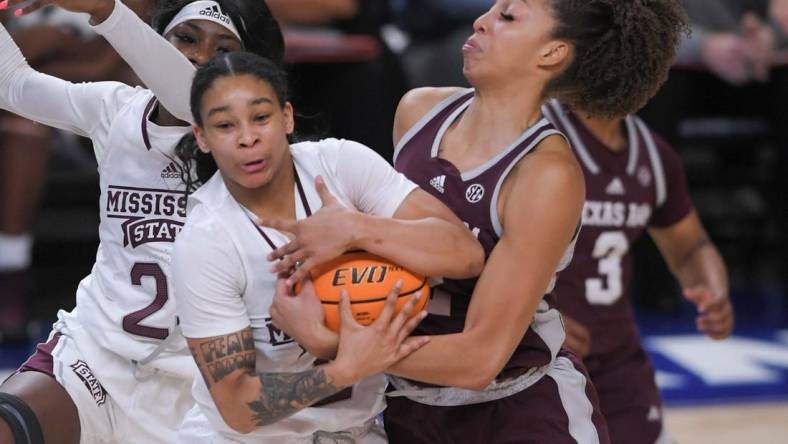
column 201, row 54
column 480, row 24
column 248, row 136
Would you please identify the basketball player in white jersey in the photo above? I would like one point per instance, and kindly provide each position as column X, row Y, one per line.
column 116, row 368
column 259, row 383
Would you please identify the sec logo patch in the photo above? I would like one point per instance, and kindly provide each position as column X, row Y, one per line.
column 474, row 193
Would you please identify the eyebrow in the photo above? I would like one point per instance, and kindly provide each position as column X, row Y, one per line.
column 225, row 108
column 225, row 34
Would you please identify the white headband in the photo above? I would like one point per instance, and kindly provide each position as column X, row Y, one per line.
column 203, row 10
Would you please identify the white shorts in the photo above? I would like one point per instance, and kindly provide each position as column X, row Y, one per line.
column 120, row 407
column 196, row 429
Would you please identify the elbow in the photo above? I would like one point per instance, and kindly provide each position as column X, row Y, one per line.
column 472, row 262
column 242, row 424
column 244, row 428
column 478, row 379
column 476, row 260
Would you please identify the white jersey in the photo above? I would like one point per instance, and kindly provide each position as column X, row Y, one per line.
column 224, row 283
column 125, row 305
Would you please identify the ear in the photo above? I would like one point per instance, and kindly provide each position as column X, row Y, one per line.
column 554, row 54
column 199, row 135
column 289, row 120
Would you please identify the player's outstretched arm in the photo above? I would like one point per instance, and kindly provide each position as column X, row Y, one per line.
column 700, row 269
column 166, row 71
column 84, row 109
column 538, row 227
column 247, row 399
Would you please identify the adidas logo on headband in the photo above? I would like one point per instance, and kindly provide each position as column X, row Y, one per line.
column 215, row 12
column 203, row 10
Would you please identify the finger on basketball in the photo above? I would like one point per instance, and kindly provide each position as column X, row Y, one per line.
column 410, row 345
column 411, row 325
column 345, row 315
column 404, row 313
column 391, row 303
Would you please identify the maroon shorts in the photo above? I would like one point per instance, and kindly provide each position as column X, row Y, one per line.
column 41, row 361
column 534, row 415
column 628, row 395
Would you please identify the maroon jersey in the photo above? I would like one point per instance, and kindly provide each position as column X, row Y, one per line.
column 473, row 195
column 627, row 191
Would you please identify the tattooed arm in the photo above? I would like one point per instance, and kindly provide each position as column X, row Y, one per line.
column 246, row 399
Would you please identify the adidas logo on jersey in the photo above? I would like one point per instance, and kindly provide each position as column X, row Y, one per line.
column 215, row 12
column 171, row 172
column 616, row 187
column 438, row 183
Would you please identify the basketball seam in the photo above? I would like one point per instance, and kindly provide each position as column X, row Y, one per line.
column 367, row 301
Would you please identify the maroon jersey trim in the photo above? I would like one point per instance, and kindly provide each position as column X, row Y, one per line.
column 145, row 116
column 427, row 118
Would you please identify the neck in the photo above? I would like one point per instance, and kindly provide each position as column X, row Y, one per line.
column 609, row 131
column 272, row 200
column 498, row 116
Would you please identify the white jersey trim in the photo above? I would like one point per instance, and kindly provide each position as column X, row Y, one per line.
column 634, row 145
column 493, row 203
column 656, row 162
column 426, row 119
column 579, row 410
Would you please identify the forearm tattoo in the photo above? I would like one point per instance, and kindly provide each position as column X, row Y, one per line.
column 225, row 354
column 283, row 394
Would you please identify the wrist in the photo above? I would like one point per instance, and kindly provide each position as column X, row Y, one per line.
column 340, row 375
column 320, row 341
column 101, row 12
column 359, row 232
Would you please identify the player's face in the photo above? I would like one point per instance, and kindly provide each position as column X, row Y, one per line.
column 201, row 40
column 245, row 128
column 509, row 41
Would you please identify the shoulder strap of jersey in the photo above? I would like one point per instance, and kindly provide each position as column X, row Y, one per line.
column 558, row 115
column 656, row 161
column 427, row 118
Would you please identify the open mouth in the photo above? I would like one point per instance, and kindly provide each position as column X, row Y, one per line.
column 254, row 166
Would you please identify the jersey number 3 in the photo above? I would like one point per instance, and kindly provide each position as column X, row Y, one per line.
column 610, row 247
column 131, row 322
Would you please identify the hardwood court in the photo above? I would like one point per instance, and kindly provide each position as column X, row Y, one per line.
column 734, row 424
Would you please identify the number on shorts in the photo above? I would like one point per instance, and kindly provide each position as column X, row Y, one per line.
column 131, row 322
column 610, row 247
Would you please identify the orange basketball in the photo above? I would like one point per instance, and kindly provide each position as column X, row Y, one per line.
column 368, row 279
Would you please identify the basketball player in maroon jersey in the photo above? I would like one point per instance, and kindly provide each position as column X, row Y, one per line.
column 493, row 371
column 634, row 182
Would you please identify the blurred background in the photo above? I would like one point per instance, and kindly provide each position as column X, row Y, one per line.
column 724, row 109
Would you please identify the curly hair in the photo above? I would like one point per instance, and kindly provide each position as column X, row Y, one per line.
column 623, row 50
